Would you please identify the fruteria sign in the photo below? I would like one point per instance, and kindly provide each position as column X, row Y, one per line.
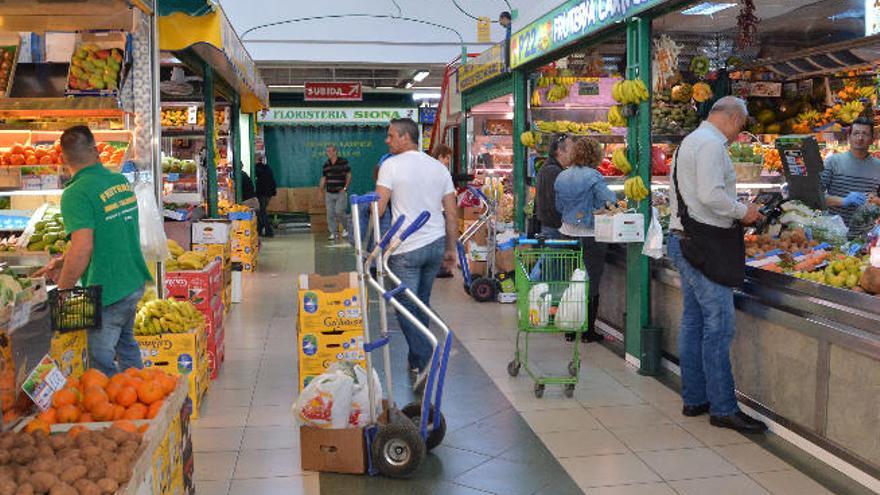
column 333, row 91
column 334, row 115
column 481, row 68
column 570, row 21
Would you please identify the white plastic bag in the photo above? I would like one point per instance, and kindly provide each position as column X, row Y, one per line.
column 653, row 247
column 154, row 244
column 540, row 301
column 360, row 398
column 325, row 402
column 572, row 309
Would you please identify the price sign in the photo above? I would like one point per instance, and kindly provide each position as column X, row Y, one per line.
column 43, row 382
column 192, row 115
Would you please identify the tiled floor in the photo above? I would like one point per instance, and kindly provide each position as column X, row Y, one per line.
column 621, row 434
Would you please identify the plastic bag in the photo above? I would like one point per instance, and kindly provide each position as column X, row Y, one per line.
column 829, row 228
column 154, row 244
column 326, row 401
column 572, row 311
column 540, row 301
column 653, row 247
column 360, row 398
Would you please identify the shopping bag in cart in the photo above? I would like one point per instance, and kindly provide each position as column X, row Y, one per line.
column 572, row 310
column 540, row 301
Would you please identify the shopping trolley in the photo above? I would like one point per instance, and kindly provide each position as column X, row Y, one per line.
column 481, row 288
column 398, row 444
column 550, row 299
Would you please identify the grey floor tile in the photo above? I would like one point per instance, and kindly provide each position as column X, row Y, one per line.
column 214, row 466
column 789, row 483
column 279, row 415
column 220, row 487
column 583, row 443
column 448, row 463
column 656, row 437
column 288, row 485
column 217, row 439
column 634, row 489
column 629, row 416
column 687, row 463
column 270, row 437
column 751, row 458
column 724, row 485
column 609, row 470
column 268, row 463
column 505, row 477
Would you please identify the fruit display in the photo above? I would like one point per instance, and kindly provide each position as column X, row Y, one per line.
column 615, row 117
column 841, row 271
column 772, row 161
column 745, row 153
column 569, row 127
column 94, row 68
column 45, row 154
column 219, row 118
column 156, row 316
column 184, row 260
column 557, row 93
column 7, row 63
column 635, row 190
column 659, row 163
column 48, row 233
column 700, row 66
column 790, row 240
column 702, row 92
column 847, row 113
column 620, row 161
column 174, row 116
column 77, row 462
column 172, row 165
column 669, row 117
column 630, row 92
column 225, row 207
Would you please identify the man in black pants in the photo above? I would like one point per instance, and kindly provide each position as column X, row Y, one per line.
column 266, row 190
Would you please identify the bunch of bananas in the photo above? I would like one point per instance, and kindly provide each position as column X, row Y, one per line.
column 597, row 127
column 619, row 159
column 849, row 112
column 635, row 189
column 810, row 117
column 567, row 126
column 225, row 206
column 630, row 91
column 184, row 260
column 557, row 93
column 545, row 126
column 867, row 91
column 615, row 117
column 536, row 98
column 167, row 316
column 528, row 139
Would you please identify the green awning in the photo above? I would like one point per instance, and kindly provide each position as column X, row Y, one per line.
column 188, row 7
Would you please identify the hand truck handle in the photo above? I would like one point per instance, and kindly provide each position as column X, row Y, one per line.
column 478, row 193
column 364, row 198
column 386, row 239
column 420, row 220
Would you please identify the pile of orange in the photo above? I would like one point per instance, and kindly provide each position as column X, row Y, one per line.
column 20, row 154
column 134, row 394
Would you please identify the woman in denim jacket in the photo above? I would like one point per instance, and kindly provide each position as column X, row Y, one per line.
column 580, row 190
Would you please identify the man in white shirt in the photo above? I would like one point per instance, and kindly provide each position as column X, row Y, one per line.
column 414, row 182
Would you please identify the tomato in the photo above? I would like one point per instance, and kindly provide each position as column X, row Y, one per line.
column 16, row 159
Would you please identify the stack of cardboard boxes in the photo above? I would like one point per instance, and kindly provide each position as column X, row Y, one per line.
column 180, row 354
column 214, row 238
column 245, row 240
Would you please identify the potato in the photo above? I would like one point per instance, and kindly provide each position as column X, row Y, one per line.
column 95, row 468
column 24, row 440
column 108, row 485
column 25, row 489
column 43, row 481
column 22, row 474
column 8, row 487
column 47, row 464
column 90, row 452
column 107, row 445
column 119, row 471
column 45, row 450
column 24, row 455
column 5, row 456
column 73, row 473
column 87, row 487
column 60, row 442
column 63, row 489
column 7, row 440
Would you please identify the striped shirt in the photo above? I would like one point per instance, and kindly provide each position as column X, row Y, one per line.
column 843, row 174
column 335, row 175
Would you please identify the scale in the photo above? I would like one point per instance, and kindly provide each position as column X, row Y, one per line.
column 803, row 165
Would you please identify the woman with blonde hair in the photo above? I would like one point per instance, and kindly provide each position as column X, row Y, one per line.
column 580, row 190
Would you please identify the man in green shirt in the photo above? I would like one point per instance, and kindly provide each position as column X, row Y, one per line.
column 101, row 218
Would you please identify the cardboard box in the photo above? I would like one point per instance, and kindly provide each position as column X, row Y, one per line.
column 180, row 232
column 71, row 351
column 477, row 267
column 318, row 222
column 179, row 354
column 197, row 286
column 211, row 231
column 278, row 203
column 620, row 228
column 504, row 260
column 303, row 199
column 216, row 252
column 472, row 212
column 334, row 451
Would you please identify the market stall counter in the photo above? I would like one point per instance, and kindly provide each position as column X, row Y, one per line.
column 805, row 355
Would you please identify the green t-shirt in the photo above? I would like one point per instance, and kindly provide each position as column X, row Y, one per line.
column 104, row 201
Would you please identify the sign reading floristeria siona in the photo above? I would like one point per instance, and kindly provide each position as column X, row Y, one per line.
column 572, row 20
column 334, row 115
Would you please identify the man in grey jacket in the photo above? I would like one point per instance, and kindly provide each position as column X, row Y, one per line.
column 707, row 182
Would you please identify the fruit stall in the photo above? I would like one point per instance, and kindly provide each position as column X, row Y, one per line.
column 806, row 309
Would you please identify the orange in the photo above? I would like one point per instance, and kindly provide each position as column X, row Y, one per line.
column 37, row 425
column 168, row 384
column 136, row 411
column 49, row 416
column 125, row 425
column 103, row 412
column 154, row 409
column 150, row 391
column 68, row 414
column 118, row 412
column 86, row 418
column 93, row 397
column 144, row 427
column 113, row 389
column 76, row 430
column 120, row 378
column 94, row 377
column 64, row 397
column 127, row 396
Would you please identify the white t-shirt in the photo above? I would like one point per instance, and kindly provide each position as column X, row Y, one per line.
column 417, row 183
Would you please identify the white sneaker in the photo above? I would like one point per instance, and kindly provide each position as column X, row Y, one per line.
column 421, row 379
column 344, row 233
column 332, row 237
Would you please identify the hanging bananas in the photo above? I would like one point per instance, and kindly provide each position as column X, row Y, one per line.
column 557, row 93
column 528, row 139
column 630, row 91
column 536, row 98
column 618, row 158
column 635, row 190
column 615, row 117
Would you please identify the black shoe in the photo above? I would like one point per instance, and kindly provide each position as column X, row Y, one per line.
column 740, row 422
column 693, row 411
column 592, row 337
column 444, row 274
column 569, row 336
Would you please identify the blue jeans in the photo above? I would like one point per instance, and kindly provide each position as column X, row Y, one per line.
column 418, row 269
column 115, row 339
column 708, row 324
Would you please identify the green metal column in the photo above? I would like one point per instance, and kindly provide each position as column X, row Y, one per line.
column 520, row 100
column 252, row 134
column 235, row 133
column 462, row 139
column 638, row 277
column 210, row 152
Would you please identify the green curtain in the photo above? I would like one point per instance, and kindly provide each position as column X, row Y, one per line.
column 188, row 7
column 296, row 154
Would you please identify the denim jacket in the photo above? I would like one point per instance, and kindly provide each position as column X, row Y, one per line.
column 579, row 192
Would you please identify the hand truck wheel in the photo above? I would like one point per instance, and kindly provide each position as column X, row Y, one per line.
column 569, row 390
column 513, row 367
column 398, row 449
column 539, row 390
column 413, row 411
column 573, row 368
column 483, row 289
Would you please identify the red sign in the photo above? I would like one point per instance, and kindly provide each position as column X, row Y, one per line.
column 334, row 91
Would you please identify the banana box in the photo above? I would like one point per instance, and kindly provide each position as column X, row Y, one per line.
column 218, row 252
column 179, row 354
column 244, row 229
column 162, row 468
column 196, row 286
column 330, row 326
column 211, row 231
column 71, row 351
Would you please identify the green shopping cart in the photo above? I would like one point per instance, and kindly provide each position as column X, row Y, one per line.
column 552, row 297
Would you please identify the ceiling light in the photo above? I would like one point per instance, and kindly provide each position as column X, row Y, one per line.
column 409, row 85
column 707, row 8
column 286, row 86
column 420, row 75
column 426, row 96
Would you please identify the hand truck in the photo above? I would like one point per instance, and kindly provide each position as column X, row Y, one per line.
column 396, row 447
column 481, row 288
column 543, row 274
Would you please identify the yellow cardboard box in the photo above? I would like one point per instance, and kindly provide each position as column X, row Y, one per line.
column 179, row 354
column 71, row 351
column 330, row 326
column 219, row 252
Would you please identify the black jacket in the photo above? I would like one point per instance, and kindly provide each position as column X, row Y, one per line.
column 247, row 187
column 266, row 187
column 545, row 198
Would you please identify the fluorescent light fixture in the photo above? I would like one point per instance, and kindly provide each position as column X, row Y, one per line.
column 426, row 96
column 420, row 75
column 286, row 86
column 409, row 85
column 707, row 8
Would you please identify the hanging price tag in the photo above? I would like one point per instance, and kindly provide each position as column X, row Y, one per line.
column 192, row 115
column 43, row 382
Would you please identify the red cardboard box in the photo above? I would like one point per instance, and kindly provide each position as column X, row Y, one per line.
column 215, row 336
column 198, row 286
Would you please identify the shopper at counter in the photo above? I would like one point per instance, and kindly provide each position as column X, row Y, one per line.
column 545, row 183
column 850, row 178
column 101, row 218
column 413, row 182
column 704, row 177
column 333, row 189
column 580, row 190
